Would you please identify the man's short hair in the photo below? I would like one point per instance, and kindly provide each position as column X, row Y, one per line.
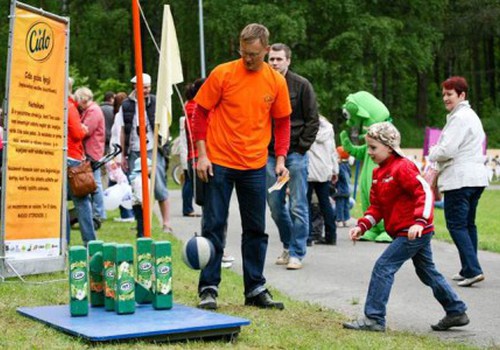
column 255, row 31
column 282, row 47
column 108, row 96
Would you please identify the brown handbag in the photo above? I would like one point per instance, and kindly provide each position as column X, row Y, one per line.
column 81, row 179
column 431, row 176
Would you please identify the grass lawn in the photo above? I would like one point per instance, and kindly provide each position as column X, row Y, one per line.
column 300, row 326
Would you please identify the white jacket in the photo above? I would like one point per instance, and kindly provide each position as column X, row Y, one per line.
column 323, row 161
column 459, row 151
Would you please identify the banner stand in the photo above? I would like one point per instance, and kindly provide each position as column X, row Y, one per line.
column 33, row 203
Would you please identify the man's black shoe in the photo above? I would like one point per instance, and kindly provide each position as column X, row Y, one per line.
column 451, row 321
column 264, row 300
column 208, row 299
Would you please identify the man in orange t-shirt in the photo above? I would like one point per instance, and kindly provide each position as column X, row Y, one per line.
column 244, row 97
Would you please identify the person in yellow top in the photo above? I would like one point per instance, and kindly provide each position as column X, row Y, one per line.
column 244, row 97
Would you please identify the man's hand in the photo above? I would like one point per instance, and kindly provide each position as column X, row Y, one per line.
column 414, row 232
column 280, row 169
column 204, row 168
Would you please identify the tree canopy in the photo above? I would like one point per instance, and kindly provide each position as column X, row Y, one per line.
column 400, row 51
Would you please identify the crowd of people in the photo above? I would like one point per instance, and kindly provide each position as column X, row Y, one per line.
column 255, row 127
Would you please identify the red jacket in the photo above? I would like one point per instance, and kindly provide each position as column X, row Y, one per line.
column 94, row 141
column 192, row 150
column 76, row 133
column 401, row 197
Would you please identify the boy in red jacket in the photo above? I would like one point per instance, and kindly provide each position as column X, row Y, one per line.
column 401, row 197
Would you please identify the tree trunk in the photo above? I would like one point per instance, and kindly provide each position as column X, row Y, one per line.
column 476, row 72
column 421, row 112
column 489, row 66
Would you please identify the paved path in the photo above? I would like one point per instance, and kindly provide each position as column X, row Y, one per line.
column 337, row 277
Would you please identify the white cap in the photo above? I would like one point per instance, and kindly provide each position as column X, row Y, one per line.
column 146, row 79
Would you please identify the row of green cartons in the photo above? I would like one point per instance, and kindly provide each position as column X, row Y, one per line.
column 104, row 274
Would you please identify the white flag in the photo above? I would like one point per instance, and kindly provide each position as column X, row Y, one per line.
column 169, row 73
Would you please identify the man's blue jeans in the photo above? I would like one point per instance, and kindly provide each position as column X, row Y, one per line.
column 396, row 254
column 322, row 190
column 251, row 191
column 83, row 206
column 460, row 214
column 293, row 220
column 187, row 191
column 97, row 197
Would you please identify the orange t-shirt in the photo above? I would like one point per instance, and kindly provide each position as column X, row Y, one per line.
column 242, row 103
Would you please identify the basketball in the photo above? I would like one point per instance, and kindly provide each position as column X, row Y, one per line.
column 197, row 252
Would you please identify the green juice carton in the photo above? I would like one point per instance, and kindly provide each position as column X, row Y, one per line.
column 96, row 280
column 144, row 281
column 162, row 286
column 78, row 281
column 125, row 281
column 109, row 274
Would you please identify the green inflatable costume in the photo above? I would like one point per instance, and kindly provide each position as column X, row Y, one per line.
column 361, row 110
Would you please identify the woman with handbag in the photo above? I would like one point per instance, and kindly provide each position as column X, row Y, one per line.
column 462, row 175
column 76, row 156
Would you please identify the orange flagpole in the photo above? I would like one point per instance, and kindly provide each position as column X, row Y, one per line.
column 142, row 124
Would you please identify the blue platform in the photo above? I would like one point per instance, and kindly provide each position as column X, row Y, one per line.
column 179, row 323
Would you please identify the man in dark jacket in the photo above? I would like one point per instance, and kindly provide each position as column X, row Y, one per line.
column 107, row 107
column 293, row 220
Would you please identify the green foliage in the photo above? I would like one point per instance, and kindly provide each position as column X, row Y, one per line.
column 109, row 84
column 400, row 53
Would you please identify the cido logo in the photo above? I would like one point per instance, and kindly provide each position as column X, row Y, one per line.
column 40, row 41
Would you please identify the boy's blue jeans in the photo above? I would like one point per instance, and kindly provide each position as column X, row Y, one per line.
column 397, row 253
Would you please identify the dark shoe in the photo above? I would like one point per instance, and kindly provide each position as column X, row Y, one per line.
column 323, row 241
column 208, row 300
column 264, row 300
column 310, row 243
column 364, row 324
column 451, row 321
column 470, row 281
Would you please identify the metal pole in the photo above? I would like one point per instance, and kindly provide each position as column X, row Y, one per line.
column 202, row 39
column 140, row 112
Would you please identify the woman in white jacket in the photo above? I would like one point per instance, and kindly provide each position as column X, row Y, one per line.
column 323, row 168
column 462, row 175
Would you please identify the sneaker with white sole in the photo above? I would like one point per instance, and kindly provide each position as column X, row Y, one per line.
column 364, row 324
column 227, row 258
column 283, row 258
column 124, row 219
column 470, row 281
column 457, row 277
column 294, row 263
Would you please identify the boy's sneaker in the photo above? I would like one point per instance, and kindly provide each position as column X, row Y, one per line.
column 451, row 321
column 208, row 300
column 264, row 300
column 283, row 258
column 467, row 282
column 364, row 324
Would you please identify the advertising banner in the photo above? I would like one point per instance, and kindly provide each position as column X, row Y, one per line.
column 34, row 163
